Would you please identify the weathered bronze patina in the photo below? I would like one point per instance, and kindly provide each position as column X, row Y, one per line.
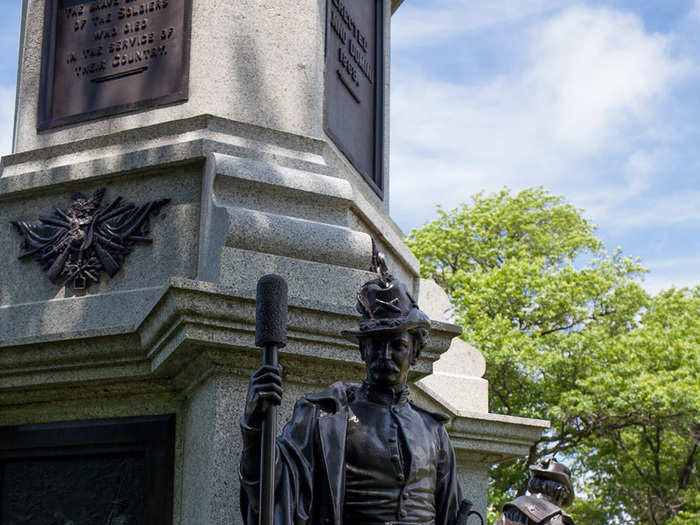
column 358, row 452
column 77, row 244
column 354, row 108
column 549, row 489
column 103, row 57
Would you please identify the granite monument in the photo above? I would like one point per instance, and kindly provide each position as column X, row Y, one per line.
column 233, row 111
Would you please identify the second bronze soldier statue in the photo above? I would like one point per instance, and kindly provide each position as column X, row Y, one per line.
column 549, row 489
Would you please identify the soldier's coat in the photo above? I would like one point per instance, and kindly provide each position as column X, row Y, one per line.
column 310, row 465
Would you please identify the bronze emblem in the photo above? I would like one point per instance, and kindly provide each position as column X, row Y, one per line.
column 79, row 243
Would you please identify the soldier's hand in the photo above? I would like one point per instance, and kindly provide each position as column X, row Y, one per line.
column 265, row 390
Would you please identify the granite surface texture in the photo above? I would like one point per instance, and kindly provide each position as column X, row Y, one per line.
column 267, row 74
column 256, row 187
column 244, row 74
column 190, row 355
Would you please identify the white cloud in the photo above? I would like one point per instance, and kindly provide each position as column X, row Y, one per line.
column 625, row 202
column 679, row 272
column 665, row 210
column 417, row 26
column 596, row 68
column 590, row 88
column 7, row 113
column 695, row 11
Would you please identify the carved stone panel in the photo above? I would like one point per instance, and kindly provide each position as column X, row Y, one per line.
column 354, row 105
column 112, row 472
column 103, row 57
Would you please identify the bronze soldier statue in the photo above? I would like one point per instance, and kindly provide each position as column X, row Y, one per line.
column 549, row 489
column 358, row 453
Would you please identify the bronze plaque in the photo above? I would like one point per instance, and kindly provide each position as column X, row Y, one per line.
column 354, row 107
column 113, row 472
column 103, row 57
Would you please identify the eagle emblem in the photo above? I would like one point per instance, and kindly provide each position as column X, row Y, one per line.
column 75, row 245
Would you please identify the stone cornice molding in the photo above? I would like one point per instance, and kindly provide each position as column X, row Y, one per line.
column 484, row 438
column 193, row 329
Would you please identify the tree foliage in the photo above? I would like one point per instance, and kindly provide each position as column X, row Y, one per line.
column 571, row 336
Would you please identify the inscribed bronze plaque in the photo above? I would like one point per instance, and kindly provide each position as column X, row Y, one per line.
column 112, row 472
column 354, row 107
column 103, row 57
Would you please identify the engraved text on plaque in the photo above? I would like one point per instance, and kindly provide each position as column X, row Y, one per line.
column 354, row 84
column 103, row 57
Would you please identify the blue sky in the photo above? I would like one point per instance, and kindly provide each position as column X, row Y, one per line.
column 596, row 100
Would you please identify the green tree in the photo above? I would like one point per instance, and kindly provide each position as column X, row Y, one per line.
column 570, row 335
column 647, row 462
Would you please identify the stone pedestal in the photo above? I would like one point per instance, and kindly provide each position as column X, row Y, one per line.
column 256, row 186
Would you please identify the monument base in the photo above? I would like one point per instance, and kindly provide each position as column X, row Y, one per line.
column 189, row 355
column 172, row 333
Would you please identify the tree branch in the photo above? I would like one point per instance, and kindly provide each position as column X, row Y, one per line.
column 577, row 322
column 687, row 468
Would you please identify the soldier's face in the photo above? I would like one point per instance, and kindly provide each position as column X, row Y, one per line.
column 388, row 358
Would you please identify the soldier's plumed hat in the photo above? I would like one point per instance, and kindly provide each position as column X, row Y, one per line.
column 552, row 469
column 387, row 307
